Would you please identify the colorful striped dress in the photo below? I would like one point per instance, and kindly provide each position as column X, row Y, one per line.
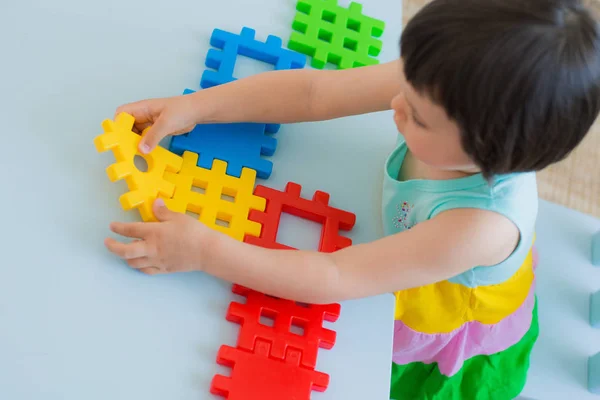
column 469, row 337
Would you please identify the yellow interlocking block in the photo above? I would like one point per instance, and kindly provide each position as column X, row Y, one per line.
column 144, row 187
column 211, row 205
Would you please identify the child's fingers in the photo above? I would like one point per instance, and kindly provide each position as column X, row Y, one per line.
column 129, row 251
column 150, row 270
column 154, row 134
column 132, row 230
column 139, row 127
column 140, row 110
column 140, row 263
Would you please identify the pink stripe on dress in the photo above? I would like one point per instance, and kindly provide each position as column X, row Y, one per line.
column 450, row 350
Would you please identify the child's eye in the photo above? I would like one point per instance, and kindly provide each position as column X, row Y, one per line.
column 419, row 123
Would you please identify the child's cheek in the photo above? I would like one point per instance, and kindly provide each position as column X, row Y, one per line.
column 421, row 147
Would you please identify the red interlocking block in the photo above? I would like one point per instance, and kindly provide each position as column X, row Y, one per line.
column 317, row 210
column 286, row 315
column 257, row 376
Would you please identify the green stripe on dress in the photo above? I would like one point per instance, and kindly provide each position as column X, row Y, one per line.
column 497, row 377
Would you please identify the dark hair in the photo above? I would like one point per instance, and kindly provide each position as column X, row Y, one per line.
column 520, row 77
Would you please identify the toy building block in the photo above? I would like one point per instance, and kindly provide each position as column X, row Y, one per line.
column 232, row 45
column 257, row 376
column 596, row 249
column 145, row 187
column 330, row 33
column 241, row 145
column 317, row 210
column 285, row 314
column 594, row 374
column 211, row 206
column 595, row 309
column 229, row 46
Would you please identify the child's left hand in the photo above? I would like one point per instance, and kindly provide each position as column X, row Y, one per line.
column 175, row 244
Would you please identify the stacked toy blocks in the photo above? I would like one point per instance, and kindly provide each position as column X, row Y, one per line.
column 145, row 187
column 225, row 204
column 330, row 33
column 286, row 314
column 211, row 171
column 278, row 361
column 256, row 376
column 226, row 200
column 241, row 145
column 246, row 142
column 284, row 353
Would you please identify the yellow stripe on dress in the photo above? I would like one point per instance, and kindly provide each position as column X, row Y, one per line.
column 444, row 306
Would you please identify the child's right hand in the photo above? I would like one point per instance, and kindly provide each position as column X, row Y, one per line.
column 165, row 116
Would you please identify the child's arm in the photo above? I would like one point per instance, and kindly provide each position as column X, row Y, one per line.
column 303, row 95
column 275, row 97
column 430, row 252
column 435, row 250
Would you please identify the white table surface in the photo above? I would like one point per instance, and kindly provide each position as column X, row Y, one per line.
column 75, row 322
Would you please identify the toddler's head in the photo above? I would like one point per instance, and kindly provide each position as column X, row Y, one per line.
column 498, row 86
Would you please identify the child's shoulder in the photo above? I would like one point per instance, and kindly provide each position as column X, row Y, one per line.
column 514, row 193
column 512, row 197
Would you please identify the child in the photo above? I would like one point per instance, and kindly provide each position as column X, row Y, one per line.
column 486, row 92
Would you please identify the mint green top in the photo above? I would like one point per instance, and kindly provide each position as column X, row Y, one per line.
column 406, row 203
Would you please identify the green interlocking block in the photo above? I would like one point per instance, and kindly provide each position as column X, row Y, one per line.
column 329, row 33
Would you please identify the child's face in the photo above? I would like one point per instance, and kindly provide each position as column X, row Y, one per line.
column 430, row 135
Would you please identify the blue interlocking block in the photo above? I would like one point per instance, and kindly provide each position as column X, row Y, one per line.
column 595, row 309
column 594, row 374
column 238, row 144
column 596, row 249
column 231, row 45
